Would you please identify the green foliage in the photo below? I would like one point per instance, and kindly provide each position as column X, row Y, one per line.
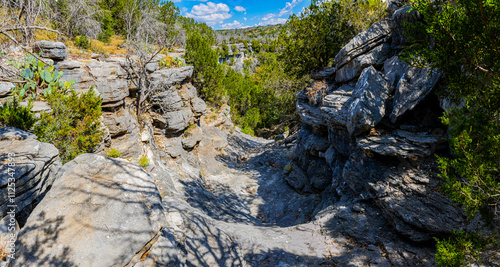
column 475, row 142
column 307, row 47
column 168, row 62
column 256, row 46
column 465, row 46
column 225, row 51
column 40, row 79
column 73, row 125
column 192, row 27
column 113, row 153
column 144, row 162
column 14, row 115
column 234, row 49
column 460, row 38
column 313, row 38
column 208, row 74
column 460, row 249
column 82, row 41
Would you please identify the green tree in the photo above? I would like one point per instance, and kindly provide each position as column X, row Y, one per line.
column 207, row 72
column 314, row 37
column 464, row 44
column 461, row 39
column 73, row 125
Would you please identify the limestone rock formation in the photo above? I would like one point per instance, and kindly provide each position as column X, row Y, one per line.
column 368, row 102
column 377, row 34
column 99, row 212
column 32, row 164
column 49, row 49
column 108, row 78
column 380, row 144
column 176, row 107
column 6, row 88
column 412, row 88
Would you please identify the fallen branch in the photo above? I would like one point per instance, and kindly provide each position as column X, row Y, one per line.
column 11, row 81
column 17, row 43
column 31, row 27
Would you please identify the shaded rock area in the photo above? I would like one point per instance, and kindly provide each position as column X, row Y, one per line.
column 381, row 130
column 28, row 169
column 99, row 212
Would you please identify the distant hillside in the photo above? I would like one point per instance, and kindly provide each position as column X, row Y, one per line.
column 262, row 33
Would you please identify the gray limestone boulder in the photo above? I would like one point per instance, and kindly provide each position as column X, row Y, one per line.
column 99, row 212
column 6, row 88
column 174, row 121
column 402, row 15
column 32, row 164
column 410, row 200
column 362, row 43
column 323, row 74
column 335, row 106
column 401, row 144
column 394, row 69
column 353, row 68
column 369, row 102
column 413, row 87
column 118, row 121
column 168, row 100
column 108, row 78
column 129, row 144
column 167, row 77
column 49, row 49
column 199, row 106
column 406, row 192
column 192, row 137
column 310, row 113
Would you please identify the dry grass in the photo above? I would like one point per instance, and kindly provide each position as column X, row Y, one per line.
column 112, row 48
column 318, row 88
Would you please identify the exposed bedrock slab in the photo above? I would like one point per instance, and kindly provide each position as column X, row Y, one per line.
column 99, row 212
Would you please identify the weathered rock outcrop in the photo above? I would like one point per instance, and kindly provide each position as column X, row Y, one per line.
column 28, row 169
column 380, row 122
column 49, row 49
column 6, row 88
column 176, row 107
column 99, row 212
column 108, row 78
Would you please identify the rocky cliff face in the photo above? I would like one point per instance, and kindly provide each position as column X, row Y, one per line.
column 370, row 132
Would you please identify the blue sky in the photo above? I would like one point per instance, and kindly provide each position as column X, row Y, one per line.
column 230, row 14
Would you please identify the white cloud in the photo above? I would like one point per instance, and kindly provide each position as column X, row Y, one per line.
column 240, row 9
column 184, row 10
column 233, row 25
column 273, row 21
column 210, row 13
column 286, row 11
column 245, row 19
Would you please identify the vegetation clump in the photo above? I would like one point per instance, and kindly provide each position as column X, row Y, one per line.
column 73, row 124
column 460, row 38
column 144, row 162
column 13, row 114
column 113, row 153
